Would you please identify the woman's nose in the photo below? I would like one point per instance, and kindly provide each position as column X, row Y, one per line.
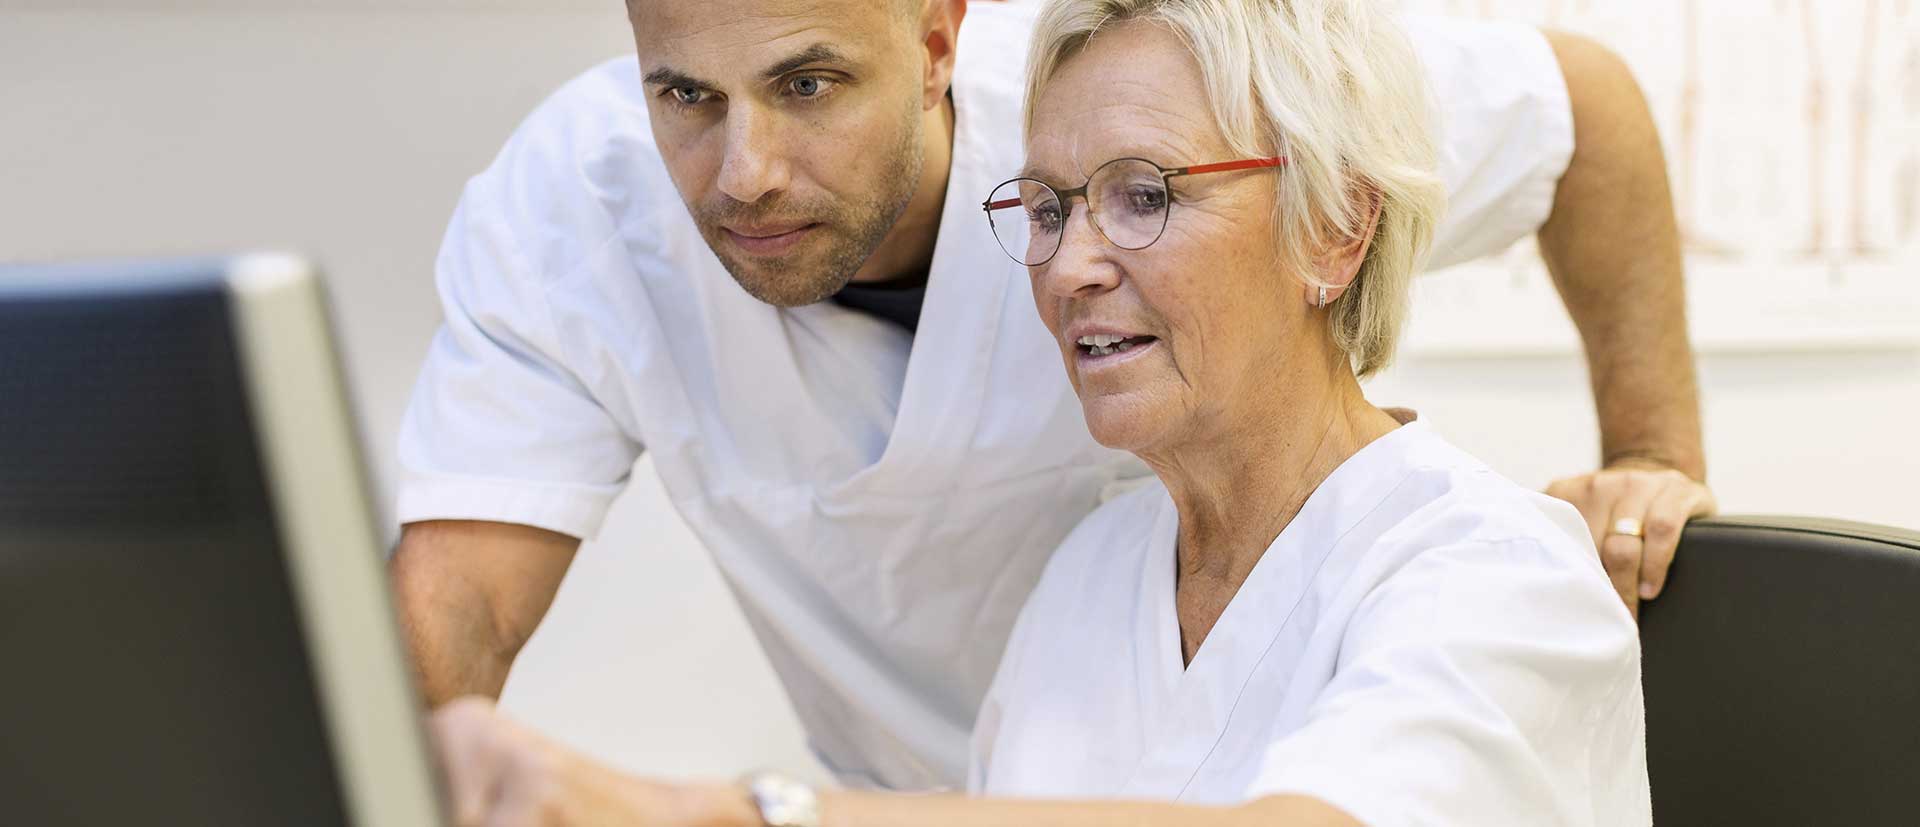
column 1084, row 263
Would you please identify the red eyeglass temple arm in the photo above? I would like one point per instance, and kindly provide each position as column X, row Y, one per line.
column 1223, row 166
column 1226, row 166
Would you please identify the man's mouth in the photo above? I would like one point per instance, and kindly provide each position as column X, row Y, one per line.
column 769, row 239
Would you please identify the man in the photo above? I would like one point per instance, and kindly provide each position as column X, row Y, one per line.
column 842, row 380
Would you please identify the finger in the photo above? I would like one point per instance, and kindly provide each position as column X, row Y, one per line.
column 517, row 806
column 460, row 734
column 1662, row 521
column 1666, row 519
column 1621, row 553
column 1592, row 495
column 1567, row 488
column 530, row 787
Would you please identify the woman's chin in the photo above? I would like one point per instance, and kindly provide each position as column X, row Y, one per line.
column 1120, row 424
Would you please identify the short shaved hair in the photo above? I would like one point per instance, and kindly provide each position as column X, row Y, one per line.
column 907, row 9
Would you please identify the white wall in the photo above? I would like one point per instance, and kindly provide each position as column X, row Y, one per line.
column 346, row 130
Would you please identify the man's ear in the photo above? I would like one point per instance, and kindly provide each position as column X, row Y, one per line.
column 940, row 37
column 1338, row 266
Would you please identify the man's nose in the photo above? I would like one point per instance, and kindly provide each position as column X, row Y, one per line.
column 753, row 165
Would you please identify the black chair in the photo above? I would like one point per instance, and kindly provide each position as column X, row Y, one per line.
column 1782, row 675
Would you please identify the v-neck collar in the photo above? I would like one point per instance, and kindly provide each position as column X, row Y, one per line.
column 1188, row 705
column 946, row 383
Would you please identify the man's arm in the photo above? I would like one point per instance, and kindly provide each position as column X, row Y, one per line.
column 470, row 594
column 1613, row 248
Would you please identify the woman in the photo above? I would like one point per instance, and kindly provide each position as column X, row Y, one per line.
column 1320, row 613
column 1320, row 597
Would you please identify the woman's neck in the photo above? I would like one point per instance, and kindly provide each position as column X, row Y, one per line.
column 1241, row 485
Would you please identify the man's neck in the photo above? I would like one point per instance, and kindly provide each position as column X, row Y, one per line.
column 907, row 251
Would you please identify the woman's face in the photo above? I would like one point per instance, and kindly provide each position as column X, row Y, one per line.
column 1216, row 328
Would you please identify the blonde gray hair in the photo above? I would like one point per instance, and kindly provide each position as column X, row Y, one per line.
column 1335, row 87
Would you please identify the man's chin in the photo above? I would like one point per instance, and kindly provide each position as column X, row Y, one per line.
column 787, row 283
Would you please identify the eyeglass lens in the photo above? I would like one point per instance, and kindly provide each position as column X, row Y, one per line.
column 1127, row 200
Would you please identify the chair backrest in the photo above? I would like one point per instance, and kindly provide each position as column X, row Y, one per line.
column 1782, row 674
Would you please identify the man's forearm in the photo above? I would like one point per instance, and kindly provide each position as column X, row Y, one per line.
column 1613, row 248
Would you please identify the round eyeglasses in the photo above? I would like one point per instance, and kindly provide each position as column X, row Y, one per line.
column 1127, row 201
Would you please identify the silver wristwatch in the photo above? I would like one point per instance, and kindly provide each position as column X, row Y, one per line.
column 782, row 801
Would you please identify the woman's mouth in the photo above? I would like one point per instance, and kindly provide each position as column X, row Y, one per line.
column 1104, row 345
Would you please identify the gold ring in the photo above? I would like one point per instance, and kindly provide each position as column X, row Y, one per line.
column 1628, row 526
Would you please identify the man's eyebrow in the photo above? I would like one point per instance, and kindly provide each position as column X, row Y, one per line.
column 674, row 77
column 817, row 53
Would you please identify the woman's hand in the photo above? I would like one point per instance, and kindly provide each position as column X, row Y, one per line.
column 1636, row 494
column 500, row 773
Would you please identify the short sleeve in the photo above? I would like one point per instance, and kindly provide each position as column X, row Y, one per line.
column 1505, row 128
column 1482, row 683
column 498, row 428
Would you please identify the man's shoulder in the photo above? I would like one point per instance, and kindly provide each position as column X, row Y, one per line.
column 1129, row 514
column 592, row 127
column 581, row 168
column 605, row 102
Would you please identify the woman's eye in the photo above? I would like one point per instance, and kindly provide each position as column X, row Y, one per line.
column 1045, row 218
column 808, row 86
column 1147, row 199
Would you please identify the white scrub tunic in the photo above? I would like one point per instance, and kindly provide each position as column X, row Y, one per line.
column 1425, row 643
column 880, row 503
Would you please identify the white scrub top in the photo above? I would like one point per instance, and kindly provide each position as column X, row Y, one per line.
column 1425, row 643
column 880, row 503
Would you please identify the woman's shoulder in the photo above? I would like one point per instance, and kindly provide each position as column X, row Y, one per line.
column 1451, row 498
column 1108, row 549
column 1427, row 509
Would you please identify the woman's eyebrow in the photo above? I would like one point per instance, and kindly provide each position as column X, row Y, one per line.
column 1143, row 153
column 1031, row 171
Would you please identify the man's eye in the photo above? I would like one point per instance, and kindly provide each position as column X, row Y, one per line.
column 809, row 86
column 686, row 95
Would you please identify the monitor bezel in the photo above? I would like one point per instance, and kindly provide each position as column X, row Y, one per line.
column 319, row 487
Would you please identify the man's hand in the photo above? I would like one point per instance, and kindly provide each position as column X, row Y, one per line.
column 502, row 774
column 1661, row 500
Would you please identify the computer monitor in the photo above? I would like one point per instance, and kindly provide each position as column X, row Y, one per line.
column 194, row 619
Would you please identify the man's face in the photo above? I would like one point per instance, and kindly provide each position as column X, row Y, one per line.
column 792, row 129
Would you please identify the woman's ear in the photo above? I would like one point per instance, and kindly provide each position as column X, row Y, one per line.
column 1338, row 265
